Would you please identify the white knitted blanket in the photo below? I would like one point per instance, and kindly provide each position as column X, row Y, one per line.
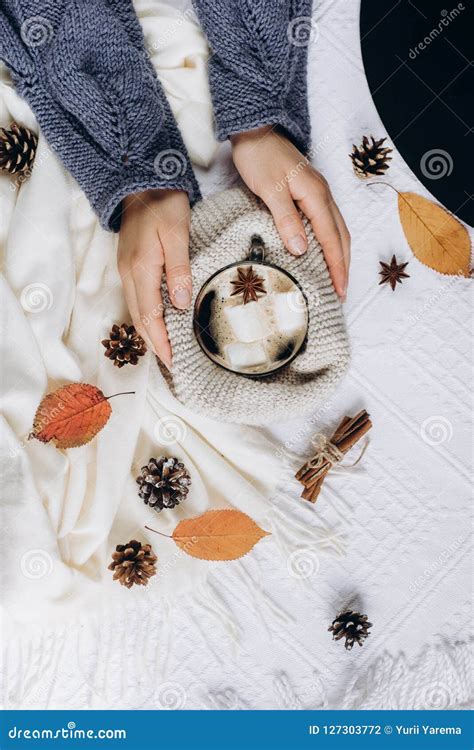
column 255, row 634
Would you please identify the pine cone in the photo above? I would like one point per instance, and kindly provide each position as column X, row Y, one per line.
column 164, row 483
column 352, row 626
column 133, row 563
column 370, row 159
column 124, row 346
column 17, row 149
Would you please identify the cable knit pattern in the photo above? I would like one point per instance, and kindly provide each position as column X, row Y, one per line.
column 221, row 232
column 258, row 67
column 84, row 71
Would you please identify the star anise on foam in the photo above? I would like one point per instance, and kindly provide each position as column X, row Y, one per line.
column 249, row 284
column 392, row 273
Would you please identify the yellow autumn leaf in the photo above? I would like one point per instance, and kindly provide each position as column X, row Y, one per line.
column 436, row 237
column 225, row 534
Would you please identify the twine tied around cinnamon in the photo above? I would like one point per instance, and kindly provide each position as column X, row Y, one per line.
column 325, row 451
column 330, row 452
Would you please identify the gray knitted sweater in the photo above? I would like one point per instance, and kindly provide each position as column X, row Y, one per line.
column 84, row 70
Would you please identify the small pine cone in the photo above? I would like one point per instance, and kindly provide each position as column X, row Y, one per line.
column 17, row 149
column 352, row 626
column 164, row 483
column 370, row 159
column 124, row 346
column 133, row 563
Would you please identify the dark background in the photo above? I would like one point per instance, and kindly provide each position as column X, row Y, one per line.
column 425, row 96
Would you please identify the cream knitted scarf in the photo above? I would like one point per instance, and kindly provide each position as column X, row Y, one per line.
column 63, row 512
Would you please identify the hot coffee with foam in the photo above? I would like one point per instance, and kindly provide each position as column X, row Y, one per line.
column 251, row 317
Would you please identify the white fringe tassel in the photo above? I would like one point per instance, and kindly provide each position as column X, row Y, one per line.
column 440, row 678
column 122, row 662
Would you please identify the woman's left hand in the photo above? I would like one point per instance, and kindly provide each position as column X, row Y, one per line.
column 274, row 169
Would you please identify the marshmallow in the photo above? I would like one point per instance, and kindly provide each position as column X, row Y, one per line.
column 290, row 312
column 240, row 355
column 248, row 321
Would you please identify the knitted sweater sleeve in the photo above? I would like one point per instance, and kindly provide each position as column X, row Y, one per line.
column 83, row 69
column 257, row 69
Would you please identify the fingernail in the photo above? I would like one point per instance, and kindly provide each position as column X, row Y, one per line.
column 297, row 244
column 182, row 297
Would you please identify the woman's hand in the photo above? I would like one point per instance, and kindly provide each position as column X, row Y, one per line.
column 154, row 237
column 274, row 169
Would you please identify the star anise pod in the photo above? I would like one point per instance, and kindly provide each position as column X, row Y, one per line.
column 392, row 273
column 248, row 283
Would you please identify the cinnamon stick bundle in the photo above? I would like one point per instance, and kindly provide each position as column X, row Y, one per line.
column 312, row 473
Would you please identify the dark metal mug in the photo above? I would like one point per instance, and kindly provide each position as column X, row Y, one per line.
column 218, row 315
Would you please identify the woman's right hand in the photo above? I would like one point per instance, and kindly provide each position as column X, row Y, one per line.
column 154, row 238
column 273, row 168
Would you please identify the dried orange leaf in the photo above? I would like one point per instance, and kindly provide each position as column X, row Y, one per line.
column 435, row 236
column 218, row 535
column 71, row 416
